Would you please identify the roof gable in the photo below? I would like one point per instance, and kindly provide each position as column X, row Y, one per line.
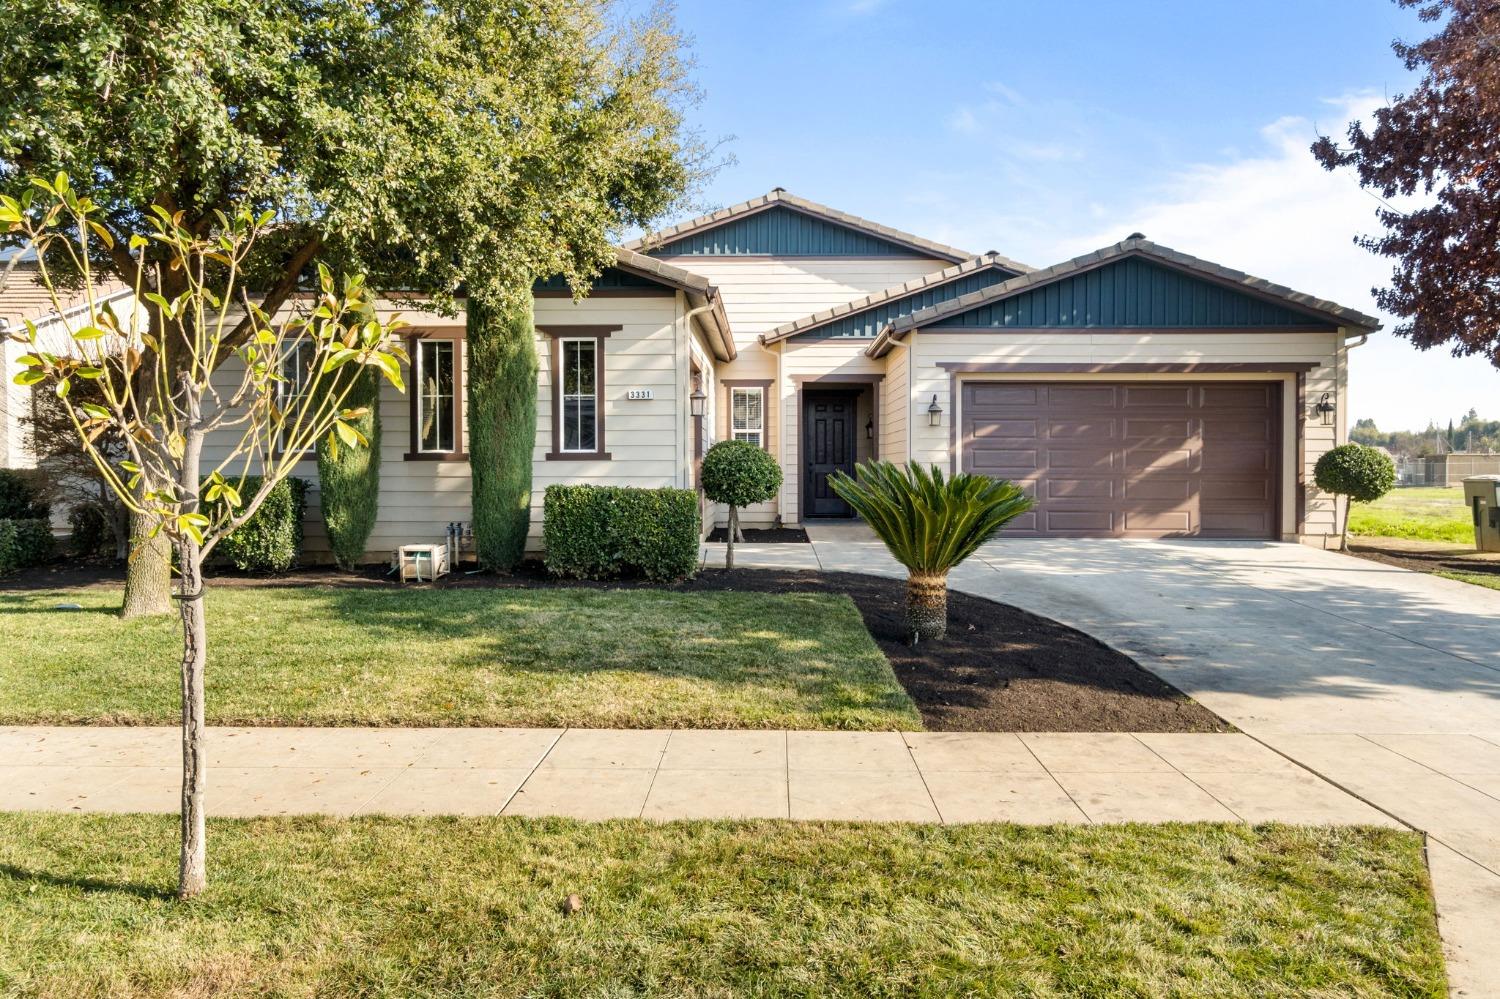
column 782, row 224
column 1129, row 292
column 865, row 317
column 612, row 279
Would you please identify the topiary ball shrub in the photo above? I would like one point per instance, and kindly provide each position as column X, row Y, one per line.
column 21, row 495
column 1360, row 473
column 739, row 473
column 271, row 540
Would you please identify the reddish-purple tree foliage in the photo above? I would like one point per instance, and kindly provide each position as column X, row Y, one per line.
column 1442, row 141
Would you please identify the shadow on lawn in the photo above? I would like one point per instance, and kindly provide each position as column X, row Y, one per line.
column 86, row 884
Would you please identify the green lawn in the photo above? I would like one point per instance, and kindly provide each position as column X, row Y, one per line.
column 1427, row 513
column 359, row 655
column 469, row 907
column 1488, row 580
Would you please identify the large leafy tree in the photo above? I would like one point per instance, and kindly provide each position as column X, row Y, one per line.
column 423, row 144
column 1442, row 141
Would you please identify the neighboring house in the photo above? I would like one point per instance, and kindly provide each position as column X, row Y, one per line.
column 23, row 297
column 1137, row 391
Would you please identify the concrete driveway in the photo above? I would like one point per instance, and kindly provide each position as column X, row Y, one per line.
column 1383, row 681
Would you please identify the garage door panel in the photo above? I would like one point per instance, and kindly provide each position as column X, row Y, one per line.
column 1063, row 398
column 1149, row 459
column 1081, row 430
column 1062, row 489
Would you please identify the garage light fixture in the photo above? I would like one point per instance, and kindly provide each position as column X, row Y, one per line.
column 934, row 413
column 1325, row 409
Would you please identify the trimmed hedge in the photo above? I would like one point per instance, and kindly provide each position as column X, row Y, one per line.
column 24, row 543
column 21, row 495
column 271, row 540
column 605, row 532
column 1361, row 473
column 500, row 349
column 349, row 483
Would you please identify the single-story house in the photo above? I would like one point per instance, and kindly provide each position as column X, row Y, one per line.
column 1135, row 390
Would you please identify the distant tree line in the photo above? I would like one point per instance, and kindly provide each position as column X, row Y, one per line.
column 1470, row 434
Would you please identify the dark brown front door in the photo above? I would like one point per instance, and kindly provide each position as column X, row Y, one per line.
column 1132, row 459
column 827, row 447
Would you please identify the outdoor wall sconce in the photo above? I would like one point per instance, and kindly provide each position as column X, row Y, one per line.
column 934, row 413
column 696, row 401
column 1325, row 408
column 870, row 429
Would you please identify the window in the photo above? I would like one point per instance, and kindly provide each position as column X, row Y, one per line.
column 436, row 397
column 580, row 389
column 578, row 370
column 296, row 370
column 747, row 415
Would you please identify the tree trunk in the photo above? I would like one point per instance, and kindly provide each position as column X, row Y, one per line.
column 926, row 607
column 729, row 535
column 119, row 526
column 148, row 574
column 192, row 871
column 1344, row 530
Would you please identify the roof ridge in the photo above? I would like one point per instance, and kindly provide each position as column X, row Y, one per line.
column 781, row 196
column 971, row 266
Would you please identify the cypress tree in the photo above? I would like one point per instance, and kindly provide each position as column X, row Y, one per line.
column 349, row 484
column 502, row 369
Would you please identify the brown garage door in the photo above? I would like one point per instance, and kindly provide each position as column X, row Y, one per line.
column 1131, row 459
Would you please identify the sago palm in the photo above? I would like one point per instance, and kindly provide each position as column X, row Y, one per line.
column 930, row 523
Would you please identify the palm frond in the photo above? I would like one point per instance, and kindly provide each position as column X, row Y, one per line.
column 930, row 522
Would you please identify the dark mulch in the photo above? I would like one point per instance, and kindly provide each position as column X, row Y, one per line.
column 764, row 535
column 1452, row 558
column 1001, row 669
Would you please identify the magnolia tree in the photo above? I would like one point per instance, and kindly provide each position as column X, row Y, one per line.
column 154, row 389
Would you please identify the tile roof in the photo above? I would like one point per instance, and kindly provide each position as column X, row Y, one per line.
column 1134, row 246
column 701, row 292
column 780, row 196
column 25, row 297
column 817, row 319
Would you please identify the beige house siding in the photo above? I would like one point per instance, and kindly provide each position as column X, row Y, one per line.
column 896, row 406
column 1325, row 349
column 803, row 360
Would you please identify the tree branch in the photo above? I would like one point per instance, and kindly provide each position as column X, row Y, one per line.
column 278, row 293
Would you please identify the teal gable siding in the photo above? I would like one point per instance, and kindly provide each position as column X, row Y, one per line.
column 1132, row 292
column 611, row 278
column 783, row 232
column 871, row 321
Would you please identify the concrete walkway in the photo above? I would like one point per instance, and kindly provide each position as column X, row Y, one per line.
column 679, row 774
column 1383, row 681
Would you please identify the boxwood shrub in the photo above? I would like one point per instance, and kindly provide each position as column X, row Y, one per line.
column 21, row 495
column 606, row 532
column 24, row 543
column 271, row 540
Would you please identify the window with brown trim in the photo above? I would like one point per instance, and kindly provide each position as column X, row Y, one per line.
column 577, row 374
column 436, row 398
column 291, row 391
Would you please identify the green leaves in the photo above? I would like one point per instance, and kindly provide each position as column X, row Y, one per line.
column 930, row 523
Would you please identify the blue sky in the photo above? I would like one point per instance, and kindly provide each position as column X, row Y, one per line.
column 1044, row 130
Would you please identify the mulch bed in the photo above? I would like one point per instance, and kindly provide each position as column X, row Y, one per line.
column 764, row 535
column 1001, row 669
column 1451, row 558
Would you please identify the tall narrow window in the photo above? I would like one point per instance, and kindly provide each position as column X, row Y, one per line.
column 580, row 415
column 747, row 414
column 296, row 373
column 436, row 395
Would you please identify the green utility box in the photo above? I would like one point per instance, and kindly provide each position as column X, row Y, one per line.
column 1482, row 493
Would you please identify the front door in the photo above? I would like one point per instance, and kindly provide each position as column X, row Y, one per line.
column 827, row 447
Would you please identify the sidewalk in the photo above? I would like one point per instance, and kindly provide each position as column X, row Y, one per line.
column 678, row 774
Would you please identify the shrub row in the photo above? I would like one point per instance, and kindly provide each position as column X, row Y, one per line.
column 606, row 532
column 271, row 540
column 24, row 543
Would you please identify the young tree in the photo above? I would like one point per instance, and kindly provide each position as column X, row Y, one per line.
column 930, row 523
column 500, row 345
column 1358, row 473
column 739, row 473
column 265, row 418
column 1443, row 140
column 421, row 144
